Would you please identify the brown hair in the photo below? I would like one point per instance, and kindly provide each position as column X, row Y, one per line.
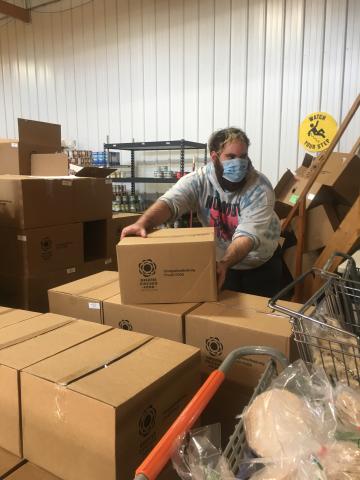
column 220, row 138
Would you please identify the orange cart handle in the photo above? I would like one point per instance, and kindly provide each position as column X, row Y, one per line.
column 160, row 455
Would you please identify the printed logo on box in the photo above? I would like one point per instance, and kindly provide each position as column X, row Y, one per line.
column 147, row 421
column 125, row 325
column 214, row 346
column 46, row 248
column 147, row 268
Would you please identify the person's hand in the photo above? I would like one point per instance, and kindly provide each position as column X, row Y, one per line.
column 221, row 271
column 136, row 229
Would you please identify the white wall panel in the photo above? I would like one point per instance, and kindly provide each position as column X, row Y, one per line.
column 168, row 69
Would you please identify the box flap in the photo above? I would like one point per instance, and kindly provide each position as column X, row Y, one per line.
column 29, row 471
column 40, row 133
column 36, row 349
column 10, row 316
column 31, row 328
column 131, row 375
column 94, row 286
column 171, row 308
column 173, row 235
column 95, row 172
column 88, row 357
column 285, row 181
column 8, row 462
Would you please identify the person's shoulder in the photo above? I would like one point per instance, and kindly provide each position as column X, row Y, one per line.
column 261, row 179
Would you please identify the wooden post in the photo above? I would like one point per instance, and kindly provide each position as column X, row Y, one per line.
column 301, row 229
column 355, row 148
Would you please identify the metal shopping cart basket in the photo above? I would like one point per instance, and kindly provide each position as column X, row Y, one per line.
column 327, row 327
column 234, row 452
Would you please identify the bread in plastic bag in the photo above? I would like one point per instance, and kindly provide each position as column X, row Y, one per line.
column 347, row 406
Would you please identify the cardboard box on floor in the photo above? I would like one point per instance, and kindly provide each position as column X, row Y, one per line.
column 30, row 292
column 169, row 266
column 84, row 298
column 308, row 259
column 10, row 316
column 237, row 320
column 108, row 418
column 29, row 471
column 8, row 463
column 25, row 344
column 40, row 250
column 49, row 164
column 29, row 202
column 321, row 222
column 34, row 137
column 166, row 320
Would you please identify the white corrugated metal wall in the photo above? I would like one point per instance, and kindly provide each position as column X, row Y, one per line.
column 170, row 69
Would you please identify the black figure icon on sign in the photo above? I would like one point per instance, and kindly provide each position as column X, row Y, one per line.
column 314, row 132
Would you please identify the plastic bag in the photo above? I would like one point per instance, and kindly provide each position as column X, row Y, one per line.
column 347, row 404
column 197, row 455
column 294, row 417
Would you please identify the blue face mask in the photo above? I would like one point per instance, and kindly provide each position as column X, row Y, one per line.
column 235, row 169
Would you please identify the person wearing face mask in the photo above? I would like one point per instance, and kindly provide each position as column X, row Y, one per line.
column 238, row 201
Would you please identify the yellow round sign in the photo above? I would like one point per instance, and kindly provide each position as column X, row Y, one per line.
column 317, row 131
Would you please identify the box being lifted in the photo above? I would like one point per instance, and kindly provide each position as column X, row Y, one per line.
column 168, row 266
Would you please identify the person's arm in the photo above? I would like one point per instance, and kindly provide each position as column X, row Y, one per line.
column 236, row 251
column 154, row 216
column 181, row 198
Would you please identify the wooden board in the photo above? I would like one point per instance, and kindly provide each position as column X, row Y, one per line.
column 343, row 240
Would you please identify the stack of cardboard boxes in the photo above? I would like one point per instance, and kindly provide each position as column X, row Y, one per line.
column 179, row 266
column 83, row 400
column 327, row 203
column 53, row 228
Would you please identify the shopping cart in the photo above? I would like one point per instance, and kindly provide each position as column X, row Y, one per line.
column 327, row 327
column 234, row 452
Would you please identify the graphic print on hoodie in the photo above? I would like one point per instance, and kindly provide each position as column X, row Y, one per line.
column 246, row 212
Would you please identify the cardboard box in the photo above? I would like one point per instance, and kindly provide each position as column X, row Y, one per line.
column 108, row 418
column 169, row 266
column 40, row 250
column 308, row 260
column 30, row 292
column 84, row 298
column 10, row 316
column 341, row 172
column 29, row 471
column 287, row 192
column 25, row 344
column 115, row 226
column 321, row 222
column 8, row 463
column 290, row 187
column 29, row 202
column 166, row 320
column 9, row 156
column 34, row 137
column 237, row 320
column 49, row 164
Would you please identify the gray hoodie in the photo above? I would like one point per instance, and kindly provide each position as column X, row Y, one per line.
column 246, row 212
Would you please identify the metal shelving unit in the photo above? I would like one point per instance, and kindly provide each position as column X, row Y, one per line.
column 133, row 147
